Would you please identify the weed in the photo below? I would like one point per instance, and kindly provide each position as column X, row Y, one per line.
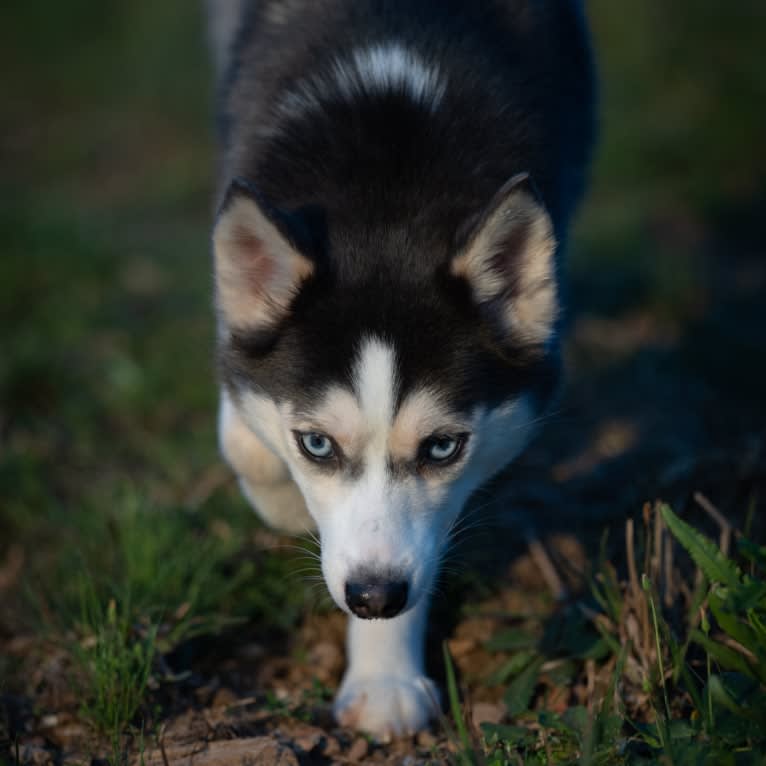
column 303, row 708
column 467, row 754
column 115, row 661
column 710, row 686
column 137, row 583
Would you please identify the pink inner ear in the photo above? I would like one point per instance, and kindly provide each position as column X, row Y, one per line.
column 256, row 266
column 509, row 253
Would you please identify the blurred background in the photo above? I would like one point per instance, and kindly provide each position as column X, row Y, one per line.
column 107, row 396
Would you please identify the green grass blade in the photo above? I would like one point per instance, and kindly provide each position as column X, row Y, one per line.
column 454, row 702
column 691, row 687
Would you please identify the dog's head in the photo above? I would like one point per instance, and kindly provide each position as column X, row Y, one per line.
column 390, row 396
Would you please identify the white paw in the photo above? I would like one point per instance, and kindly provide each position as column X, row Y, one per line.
column 387, row 707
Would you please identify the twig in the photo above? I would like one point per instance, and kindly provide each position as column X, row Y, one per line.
column 631, row 553
column 639, row 602
column 546, row 746
column 545, row 565
column 590, row 675
column 161, row 740
column 659, row 528
column 669, row 582
column 647, row 514
column 725, row 526
column 734, row 644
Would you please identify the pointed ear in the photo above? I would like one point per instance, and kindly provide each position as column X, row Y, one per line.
column 258, row 268
column 509, row 263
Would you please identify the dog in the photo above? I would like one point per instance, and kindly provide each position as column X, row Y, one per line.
column 395, row 185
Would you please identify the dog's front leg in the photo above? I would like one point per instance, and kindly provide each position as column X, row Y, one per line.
column 263, row 477
column 385, row 691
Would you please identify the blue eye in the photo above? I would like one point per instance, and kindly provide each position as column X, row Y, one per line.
column 441, row 449
column 316, row 446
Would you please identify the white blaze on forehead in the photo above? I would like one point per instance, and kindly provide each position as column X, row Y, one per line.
column 375, row 384
column 390, row 67
column 378, row 69
column 359, row 419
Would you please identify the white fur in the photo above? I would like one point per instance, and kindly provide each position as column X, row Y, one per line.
column 375, row 384
column 390, row 67
column 386, row 67
column 384, row 689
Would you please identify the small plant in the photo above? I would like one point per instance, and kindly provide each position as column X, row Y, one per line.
column 115, row 662
column 467, row 753
column 139, row 583
column 675, row 666
column 736, row 652
column 303, row 708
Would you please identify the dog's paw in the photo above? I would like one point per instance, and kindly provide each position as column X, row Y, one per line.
column 387, row 707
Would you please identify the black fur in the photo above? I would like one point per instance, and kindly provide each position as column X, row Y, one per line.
column 389, row 187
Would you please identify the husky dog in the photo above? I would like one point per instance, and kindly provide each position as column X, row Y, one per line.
column 396, row 182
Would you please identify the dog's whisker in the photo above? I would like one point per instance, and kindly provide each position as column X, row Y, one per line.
column 313, row 537
column 471, row 513
column 467, row 525
column 308, row 556
column 305, row 551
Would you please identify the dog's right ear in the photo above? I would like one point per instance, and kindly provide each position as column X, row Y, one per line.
column 509, row 263
column 258, row 266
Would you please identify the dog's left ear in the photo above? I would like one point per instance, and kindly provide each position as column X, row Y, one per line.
column 509, row 262
column 259, row 264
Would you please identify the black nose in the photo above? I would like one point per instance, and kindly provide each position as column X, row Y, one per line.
column 370, row 598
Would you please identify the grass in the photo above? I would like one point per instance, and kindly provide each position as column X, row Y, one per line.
column 674, row 667
column 115, row 663
column 133, row 543
column 140, row 582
